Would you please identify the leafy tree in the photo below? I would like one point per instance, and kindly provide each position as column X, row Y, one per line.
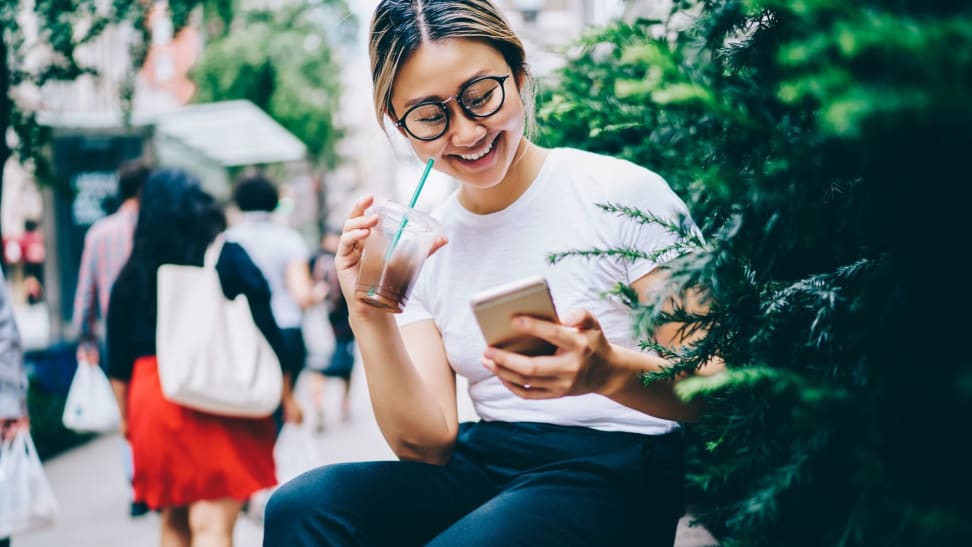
column 822, row 146
column 62, row 27
column 283, row 62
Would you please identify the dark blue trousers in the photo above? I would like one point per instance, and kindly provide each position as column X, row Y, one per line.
column 507, row 484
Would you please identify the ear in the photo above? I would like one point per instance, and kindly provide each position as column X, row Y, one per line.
column 521, row 79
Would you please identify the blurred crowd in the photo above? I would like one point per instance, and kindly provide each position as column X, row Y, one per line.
column 196, row 469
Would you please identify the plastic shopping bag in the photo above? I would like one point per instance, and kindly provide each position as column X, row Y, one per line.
column 26, row 499
column 90, row 404
column 295, row 452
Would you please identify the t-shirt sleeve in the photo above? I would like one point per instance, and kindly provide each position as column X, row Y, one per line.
column 650, row 194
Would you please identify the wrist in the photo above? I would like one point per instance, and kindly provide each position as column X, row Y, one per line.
column 619, row 374
column 363, row 316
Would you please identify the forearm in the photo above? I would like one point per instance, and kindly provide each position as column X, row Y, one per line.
column 408, row 414
column 85, row 299
column 302, row 286
column 658, row 399
column 120, row 390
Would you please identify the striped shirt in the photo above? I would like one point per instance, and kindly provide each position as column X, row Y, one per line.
column 106, row 248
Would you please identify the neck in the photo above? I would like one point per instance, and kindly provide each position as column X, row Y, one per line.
column 130, row 204
column 523, row 170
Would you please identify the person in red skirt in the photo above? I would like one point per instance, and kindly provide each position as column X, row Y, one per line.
column 196, row 469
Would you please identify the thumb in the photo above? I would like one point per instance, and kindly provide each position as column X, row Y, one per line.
column 580, row 319
column 439, row 243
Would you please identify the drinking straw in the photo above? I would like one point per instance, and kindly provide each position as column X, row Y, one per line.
column 411, row 203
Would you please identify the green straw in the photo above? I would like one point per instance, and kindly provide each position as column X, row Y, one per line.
column 411, row 204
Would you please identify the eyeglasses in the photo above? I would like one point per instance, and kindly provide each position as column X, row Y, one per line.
column 479, row 98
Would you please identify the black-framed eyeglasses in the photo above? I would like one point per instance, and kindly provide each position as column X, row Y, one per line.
column 479, row 98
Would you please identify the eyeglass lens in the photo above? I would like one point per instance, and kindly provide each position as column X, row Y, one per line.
column 480, row 98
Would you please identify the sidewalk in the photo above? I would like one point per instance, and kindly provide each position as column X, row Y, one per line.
column 90, row 486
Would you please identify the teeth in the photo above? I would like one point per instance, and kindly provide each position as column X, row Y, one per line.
column 475, row 157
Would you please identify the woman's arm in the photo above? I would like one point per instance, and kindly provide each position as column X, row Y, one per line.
column 658, row 399
column 120, row 389
column 121, row 352
column 586, row 362
column 412, row 387
column 302, row 286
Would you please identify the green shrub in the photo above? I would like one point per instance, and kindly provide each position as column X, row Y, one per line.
column 822, row 145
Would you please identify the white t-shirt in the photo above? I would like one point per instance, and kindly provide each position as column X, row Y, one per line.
column 558, row 212
column 272, row 247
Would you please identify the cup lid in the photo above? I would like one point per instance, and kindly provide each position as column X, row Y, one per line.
column 417, row 220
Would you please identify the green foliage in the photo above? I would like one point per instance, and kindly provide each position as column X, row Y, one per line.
column 283, row 62
column 821, row 146
column 62, row 27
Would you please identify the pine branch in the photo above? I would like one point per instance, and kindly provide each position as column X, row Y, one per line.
column 626, row 293
column 627, row 254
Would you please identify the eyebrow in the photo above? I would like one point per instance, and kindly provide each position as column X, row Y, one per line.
column 438, row 99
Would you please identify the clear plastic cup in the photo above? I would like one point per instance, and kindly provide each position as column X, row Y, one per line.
column 389, row 267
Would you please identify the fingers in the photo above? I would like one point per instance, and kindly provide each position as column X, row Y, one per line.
column 439, row 243
column 561, row 336
column 580, row 319
column 528, row 391
column 361, row 206
column 357, row 228
column 523, row 375
column 513, row 373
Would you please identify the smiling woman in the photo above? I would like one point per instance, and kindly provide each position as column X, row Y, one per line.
column 571, row 449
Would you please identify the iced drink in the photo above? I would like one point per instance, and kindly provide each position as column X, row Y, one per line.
column 390, row 266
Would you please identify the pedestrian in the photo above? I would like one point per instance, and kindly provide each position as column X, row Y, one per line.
column 107, row 244
column 340, row 363
column 280, row 253
column 195, row 468
column 13, row 379
column 572, row 449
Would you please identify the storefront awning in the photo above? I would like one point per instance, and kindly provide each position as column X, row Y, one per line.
column 232, row 133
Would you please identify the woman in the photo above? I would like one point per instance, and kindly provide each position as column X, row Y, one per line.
column 572, row 448
column 197, row 469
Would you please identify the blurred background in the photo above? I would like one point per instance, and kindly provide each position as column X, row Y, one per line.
column 219, row 87
column 821, row 146
column 222, row 88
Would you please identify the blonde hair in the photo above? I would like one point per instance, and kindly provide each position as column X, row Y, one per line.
column 399, row 27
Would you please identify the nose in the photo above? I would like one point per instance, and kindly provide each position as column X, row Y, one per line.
column 465, row 131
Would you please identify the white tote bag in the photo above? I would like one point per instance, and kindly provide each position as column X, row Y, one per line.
column 90, row 404
column 26, row 498
column 211, row 355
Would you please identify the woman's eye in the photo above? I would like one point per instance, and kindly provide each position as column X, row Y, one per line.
column 431, row 120
column 480, row 100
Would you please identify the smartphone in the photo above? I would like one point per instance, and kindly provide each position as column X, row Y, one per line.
column 495, row 308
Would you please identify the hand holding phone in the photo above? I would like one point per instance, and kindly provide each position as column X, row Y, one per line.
column 495, row 309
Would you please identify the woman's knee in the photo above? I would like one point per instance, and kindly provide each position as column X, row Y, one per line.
column 302, row 506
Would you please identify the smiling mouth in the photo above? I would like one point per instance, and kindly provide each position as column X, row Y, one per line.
column 487, row 150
